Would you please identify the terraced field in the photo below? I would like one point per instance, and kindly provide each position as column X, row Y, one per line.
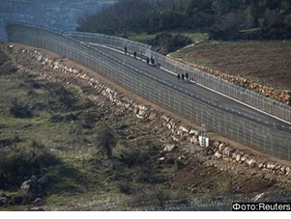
column 264, row 62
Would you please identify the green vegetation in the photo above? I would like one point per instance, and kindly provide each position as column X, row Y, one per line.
column 221, row 19
column 83, row 155
column 51, row 131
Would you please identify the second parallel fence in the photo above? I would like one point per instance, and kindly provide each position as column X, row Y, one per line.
column 267, row 138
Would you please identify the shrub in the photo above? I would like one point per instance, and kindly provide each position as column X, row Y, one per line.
column 19, row 110
column 125, row 188
column 167, row 43
column 18, row 162
column 107, row 141
column 131, row 156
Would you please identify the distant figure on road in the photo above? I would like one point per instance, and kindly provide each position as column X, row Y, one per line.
column 178, row 76
column 125, row 50
column 182, row 77
column 186, row 76
column 152, row 61
column 148, row 60
column 134, row 54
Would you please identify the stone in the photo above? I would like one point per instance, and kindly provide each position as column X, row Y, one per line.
column 226, row 151
column 169, row 147
column 250, row 162
column 28, row 186
column 39, row 58
column 182, row 157
column 161, row 159
column 243, row 158
column 183, row 129
column 175, row 138
column 216, row 144
column 217, row 155
column 283, row 169
column 234, row 154
column 270, row 166
column 288, row 170
column 152, row 116
column 261, row 165
column 238, row 157
column 193, row 132
column 193, row 140
column 221, row 147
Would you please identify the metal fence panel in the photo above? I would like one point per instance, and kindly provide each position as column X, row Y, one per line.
column 259, row 135
column 252, row 98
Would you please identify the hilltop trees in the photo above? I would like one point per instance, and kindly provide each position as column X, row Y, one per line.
column 125, row 15
column 223, row 19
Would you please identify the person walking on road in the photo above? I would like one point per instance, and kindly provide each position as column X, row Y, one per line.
column 152, row 61
column 179, row 77
column 148, row 60
column 186, row 76
column 125, row 50
column 182, row 77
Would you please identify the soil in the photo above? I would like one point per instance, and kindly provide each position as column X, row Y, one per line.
column 197, row 173
column 264, row 62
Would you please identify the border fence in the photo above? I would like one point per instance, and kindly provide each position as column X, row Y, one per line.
column 268, row 105
column 268, row 138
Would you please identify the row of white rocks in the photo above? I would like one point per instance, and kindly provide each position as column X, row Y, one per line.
column 219, row 150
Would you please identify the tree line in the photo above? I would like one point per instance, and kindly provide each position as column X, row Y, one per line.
column 222, row 19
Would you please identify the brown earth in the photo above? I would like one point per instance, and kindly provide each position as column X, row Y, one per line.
column 252, row 64
column 198, row 173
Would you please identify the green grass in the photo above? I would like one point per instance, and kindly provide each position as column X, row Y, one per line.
column 80, row 171
column 143, row 37
column 196, row 37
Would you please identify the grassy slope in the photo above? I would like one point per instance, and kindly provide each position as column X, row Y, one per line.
column 67, row 124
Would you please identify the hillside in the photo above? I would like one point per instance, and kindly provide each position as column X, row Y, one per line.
column 222, row 20
column 54, row 116
column 263, row 63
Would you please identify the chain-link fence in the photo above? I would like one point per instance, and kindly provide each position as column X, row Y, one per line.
column 271, row 106
column 260, row 135
column 111, row 41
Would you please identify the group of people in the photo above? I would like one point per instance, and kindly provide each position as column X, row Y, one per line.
column 134, row 52
column 150, row 61
column 183, row 77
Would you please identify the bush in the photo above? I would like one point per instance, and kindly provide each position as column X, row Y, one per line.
column 125, row 188
column 18, row 162
column 149, row 176
column 130, row 155
column 107, row 141
column 167, row 43
column 19, row 110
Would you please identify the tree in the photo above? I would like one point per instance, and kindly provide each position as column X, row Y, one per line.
column 107, row 141
column 224, row 19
